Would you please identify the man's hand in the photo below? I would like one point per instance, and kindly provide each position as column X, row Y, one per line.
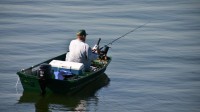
column 96, row 49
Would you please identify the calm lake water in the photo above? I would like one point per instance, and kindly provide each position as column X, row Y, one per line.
column 154, row 69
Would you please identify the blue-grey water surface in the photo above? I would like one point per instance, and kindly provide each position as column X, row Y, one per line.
column 154, row 69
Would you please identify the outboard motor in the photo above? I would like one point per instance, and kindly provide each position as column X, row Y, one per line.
column 44, row 75
column 104, row 52
column 105, row 49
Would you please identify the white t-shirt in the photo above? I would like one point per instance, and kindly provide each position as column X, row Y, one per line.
column 81, row 52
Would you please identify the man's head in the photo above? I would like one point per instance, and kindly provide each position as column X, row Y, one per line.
column 81, row 34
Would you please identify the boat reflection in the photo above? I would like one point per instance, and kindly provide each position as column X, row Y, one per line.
column 75, row 102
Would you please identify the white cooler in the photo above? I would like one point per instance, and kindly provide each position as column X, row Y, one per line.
column 75, row 68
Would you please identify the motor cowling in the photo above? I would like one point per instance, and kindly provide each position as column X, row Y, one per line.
column 45, row 71
column 103, row 52
column 105, row 49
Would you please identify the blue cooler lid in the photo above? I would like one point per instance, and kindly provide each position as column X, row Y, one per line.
column 65, row 72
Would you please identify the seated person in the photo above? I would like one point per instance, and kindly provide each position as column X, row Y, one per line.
column 81, row 52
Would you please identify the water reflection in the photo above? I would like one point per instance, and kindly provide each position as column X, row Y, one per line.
column 79, row 101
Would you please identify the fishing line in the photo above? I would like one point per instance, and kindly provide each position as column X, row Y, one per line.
column 127, row 33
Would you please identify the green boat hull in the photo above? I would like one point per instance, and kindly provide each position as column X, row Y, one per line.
column 70, row 102
column 31, row 82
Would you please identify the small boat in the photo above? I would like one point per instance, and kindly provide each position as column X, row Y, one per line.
column 42, row 77
column 71, row 102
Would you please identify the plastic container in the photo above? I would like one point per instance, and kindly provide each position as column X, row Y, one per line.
column 73, row 67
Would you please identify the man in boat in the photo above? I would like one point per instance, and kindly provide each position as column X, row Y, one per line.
column 81, row 52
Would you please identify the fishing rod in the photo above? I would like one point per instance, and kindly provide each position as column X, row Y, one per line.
column 127, row 33
column 106, row 47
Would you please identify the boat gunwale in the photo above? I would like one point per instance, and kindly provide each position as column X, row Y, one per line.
column 85, row 75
